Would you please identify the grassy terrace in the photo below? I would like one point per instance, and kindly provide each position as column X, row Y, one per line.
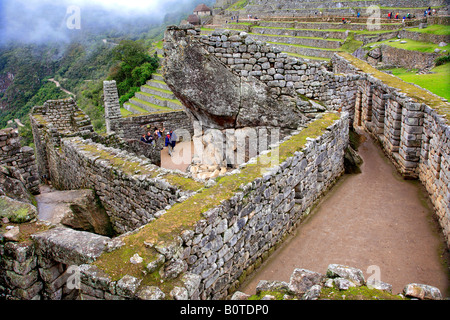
column 409, row 45
column 184, row 215
column 433, row 29
column 436, row 82
column 416, row 93
column 295, row 55
column 150, row 105
column 159, row 97
column 294, row 37
column 158, row 89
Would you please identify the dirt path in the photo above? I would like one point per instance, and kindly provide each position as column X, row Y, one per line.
column 181, row 158
column 371, row 218
column 59, row 86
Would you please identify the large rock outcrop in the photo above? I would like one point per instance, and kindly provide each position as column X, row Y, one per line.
column 215, row 95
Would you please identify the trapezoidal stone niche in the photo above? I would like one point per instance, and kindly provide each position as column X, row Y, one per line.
column 215, row 95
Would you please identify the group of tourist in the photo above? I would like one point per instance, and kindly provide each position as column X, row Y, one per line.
column 151, row 138
column 397, row 16
column 429, row 12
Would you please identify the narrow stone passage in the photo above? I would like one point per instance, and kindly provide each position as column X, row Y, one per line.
column 371, row 218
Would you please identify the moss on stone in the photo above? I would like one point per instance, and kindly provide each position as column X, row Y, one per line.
column 183, row 183
column 185, row 215
column 357, row 293
column 16, row 211
column 416, row 93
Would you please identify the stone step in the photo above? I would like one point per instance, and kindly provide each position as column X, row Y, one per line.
column 133, row 108
column 329, row 26
column 158, row 84
column 150, row 107
column 158, row 100
column 295, row 55
column 157, row 76
column 301, row 32
column 158, row 92
column 303, row 50
column 303, row 41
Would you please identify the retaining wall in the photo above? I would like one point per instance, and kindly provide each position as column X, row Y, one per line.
column 21, row 159
column 413, row 131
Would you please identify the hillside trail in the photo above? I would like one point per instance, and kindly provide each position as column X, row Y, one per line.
column 58, row 85
column 374, row 218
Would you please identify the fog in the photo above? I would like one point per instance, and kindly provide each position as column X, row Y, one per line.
column 36, row 21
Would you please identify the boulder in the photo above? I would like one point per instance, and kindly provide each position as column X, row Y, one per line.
column 13, row 186
column 302, row 280
column 422, row 291
column 77, row 209
column 340, row 271
column 69, row 246
column 216, row 96
column 16, row 211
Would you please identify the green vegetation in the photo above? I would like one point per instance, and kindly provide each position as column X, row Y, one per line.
column 412, row 91
column 134, row 68
column 350, row 44
column 438, row 29
column 409, row 45
column 238, row 5
column 436, row 82
column 357, row 293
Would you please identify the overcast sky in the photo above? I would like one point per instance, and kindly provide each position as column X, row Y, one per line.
column 43, row 20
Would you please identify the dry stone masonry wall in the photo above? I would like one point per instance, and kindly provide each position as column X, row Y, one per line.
column 18, row 158
column 248, row 57
column 414, row 135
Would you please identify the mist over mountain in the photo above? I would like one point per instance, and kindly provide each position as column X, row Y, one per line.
column 72, row 42
column 43, row 21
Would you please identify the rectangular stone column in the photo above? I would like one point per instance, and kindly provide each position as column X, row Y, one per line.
column 392, row 125
column 411, row 138
column 112, row 106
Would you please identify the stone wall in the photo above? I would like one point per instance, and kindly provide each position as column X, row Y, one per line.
column 424, row 37
column 114, row 168
column 111, row 100
column 231, row 238
column 407, row 58
column 133, row 127
column 282, row 75
column 411, row 129
column 20, row 159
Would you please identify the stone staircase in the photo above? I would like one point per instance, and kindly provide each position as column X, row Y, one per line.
column 153, row 96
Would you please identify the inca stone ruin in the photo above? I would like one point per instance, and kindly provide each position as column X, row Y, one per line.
column 270, row 133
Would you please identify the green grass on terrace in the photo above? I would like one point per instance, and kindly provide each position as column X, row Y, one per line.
column 157, row 89
column 409, row 45
column 151, row 105
column 294, row 37
column 296, row 55
column 438, row 29
column 436, row 82
column 159, row 97
column 301, row 46
column 124, row 112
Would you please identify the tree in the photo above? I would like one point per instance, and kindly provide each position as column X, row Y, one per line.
column 135, row 66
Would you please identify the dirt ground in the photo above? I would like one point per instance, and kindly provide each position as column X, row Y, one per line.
column 181, row 158
column 373, row 218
